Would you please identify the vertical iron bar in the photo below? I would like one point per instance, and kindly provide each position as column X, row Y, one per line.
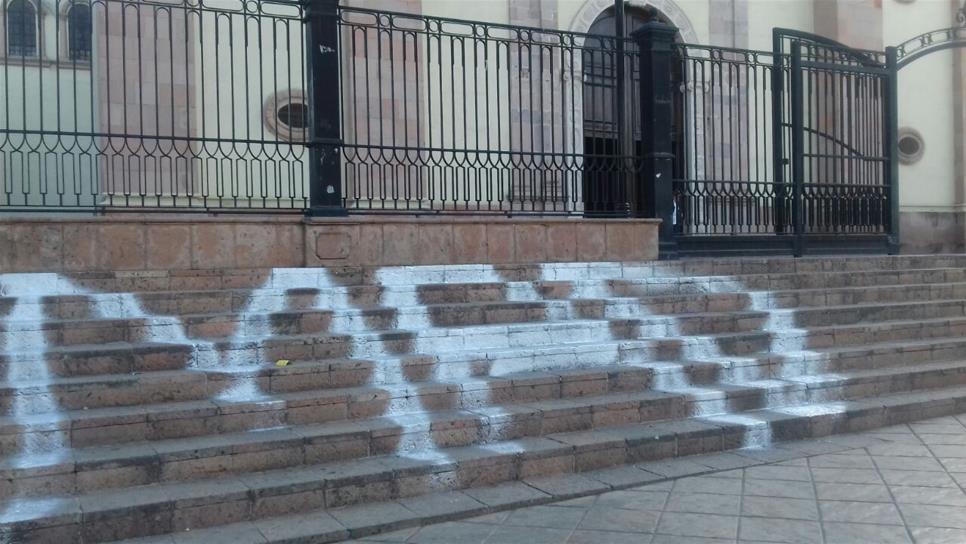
column 625, row 181
column 798, row 146
column 325, row 131
column 777, row 128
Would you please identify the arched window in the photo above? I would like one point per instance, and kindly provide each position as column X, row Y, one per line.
column 79, row 32
column 21, row 29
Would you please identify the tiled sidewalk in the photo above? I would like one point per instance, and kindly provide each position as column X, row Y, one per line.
column 908, row 486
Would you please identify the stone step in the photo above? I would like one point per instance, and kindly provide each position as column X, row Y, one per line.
column 687, row 314
column 181, row 506
column 547, row 349
column 320, row 391
column 184, row 280
column 59, row 304
column 410, row 430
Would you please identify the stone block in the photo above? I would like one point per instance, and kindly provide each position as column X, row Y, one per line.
column 591, row 242
column 168, row 247
column 213, row 246
column 400, row 244
column 436, row 244
column 531, row 243
column 469, row 243
column 500, row 244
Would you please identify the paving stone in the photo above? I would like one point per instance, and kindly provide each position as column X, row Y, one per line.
column 580, row 502
column 496, row 518
column 769, row 455
column 622, row 476
column 545, row 516
column 674, row 468
column 853, row 492
column 704, row 503
column 908, row 463
column 702, row 525
column 705, row 484
column 860, row 512
column 931, row 515
column 917, row 477
column 780, row 488
column 607, row 537
column 392, row 537
column 618, row 519
column 774, row 507
column 453, row 531
column 529, row 535
column 846, row 475
column 777, row 472
column 720, row 461
column 633, row 500
column 938, row 535
column 929, row 495
column 837, row 460
column 851, row 533
column 781, row 530
column 672, row 539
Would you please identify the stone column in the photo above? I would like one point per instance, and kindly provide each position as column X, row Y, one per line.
column 856, row 23
column 958, row 9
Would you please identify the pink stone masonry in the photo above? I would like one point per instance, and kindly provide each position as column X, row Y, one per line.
column 179, row 242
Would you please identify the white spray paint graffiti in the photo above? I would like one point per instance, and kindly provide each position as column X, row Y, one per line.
column 242, row 352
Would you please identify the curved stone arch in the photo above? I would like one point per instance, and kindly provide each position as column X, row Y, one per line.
column 592, row 9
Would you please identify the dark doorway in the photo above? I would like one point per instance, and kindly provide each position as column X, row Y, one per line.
column 608, row 158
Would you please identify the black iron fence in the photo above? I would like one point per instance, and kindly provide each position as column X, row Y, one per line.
column 118, row 105
column 441, row 115
column 309, row 107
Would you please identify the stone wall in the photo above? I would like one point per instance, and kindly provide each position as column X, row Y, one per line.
column 210, row 243
column 923, row 232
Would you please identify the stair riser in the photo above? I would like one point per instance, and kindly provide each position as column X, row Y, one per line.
column 323, row 408
column 319, row 322
column 813, row 298
column 221, row 507
column 199, row 385
column 333, row 298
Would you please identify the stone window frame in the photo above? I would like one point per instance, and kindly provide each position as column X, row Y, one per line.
column 273, row 104
column 61, row 27
column 38, row 56
column 907, row 158
column 64, row 31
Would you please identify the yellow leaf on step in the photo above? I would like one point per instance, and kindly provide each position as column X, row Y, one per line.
column 282, row 362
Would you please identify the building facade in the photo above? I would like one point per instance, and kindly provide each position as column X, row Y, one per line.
column 168, row 105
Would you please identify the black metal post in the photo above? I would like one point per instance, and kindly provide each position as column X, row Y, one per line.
column 798, row 147
column 778, row 133
column 620, row 103
column 655, row 187
column 325, row 131
column 891, row 141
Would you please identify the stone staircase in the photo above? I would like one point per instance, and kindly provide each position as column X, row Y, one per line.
column 140, row 404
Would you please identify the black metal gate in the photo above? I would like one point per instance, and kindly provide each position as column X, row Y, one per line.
column 788, row 151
